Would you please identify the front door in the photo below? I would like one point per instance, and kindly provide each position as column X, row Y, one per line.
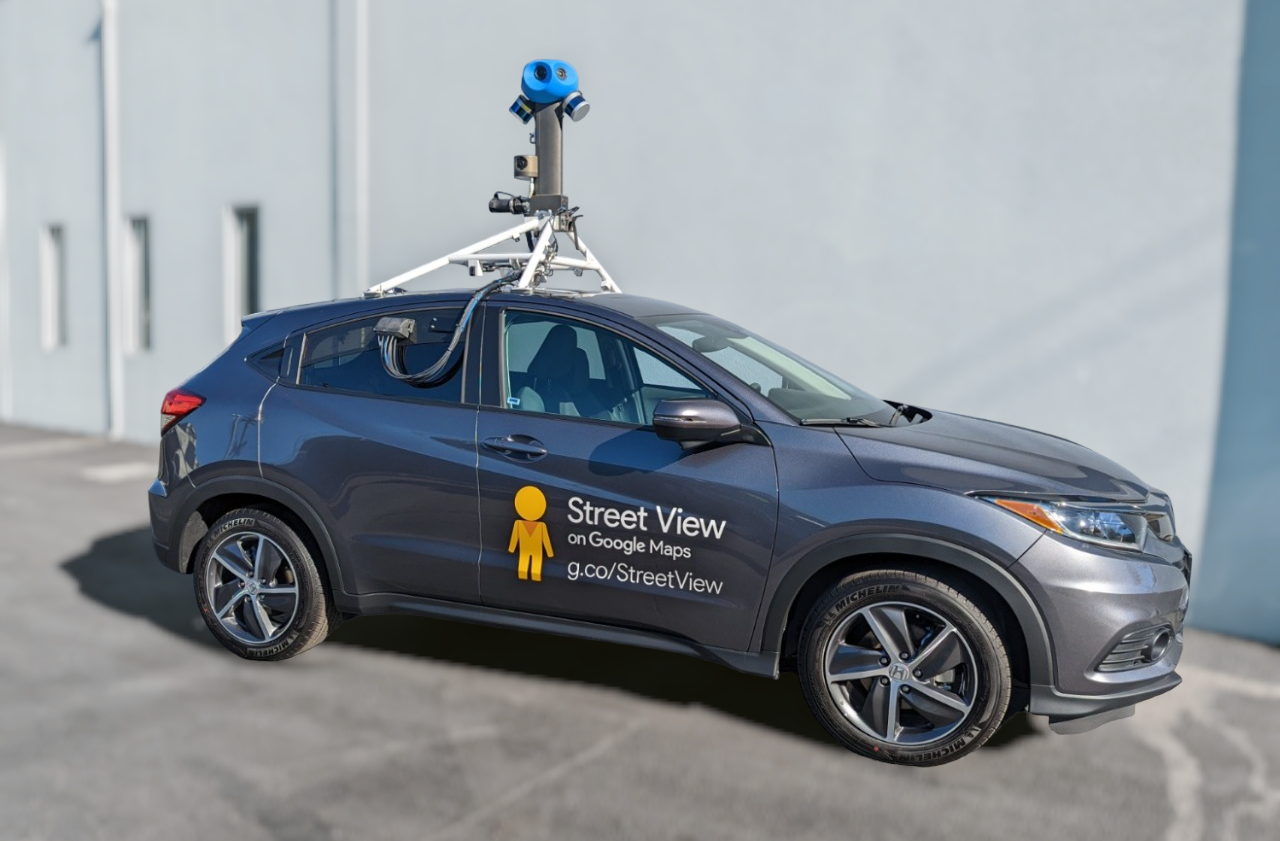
column 586, row 513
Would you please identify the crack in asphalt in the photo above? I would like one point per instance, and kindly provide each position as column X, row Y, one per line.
column 1199, row 700
column 544, row 778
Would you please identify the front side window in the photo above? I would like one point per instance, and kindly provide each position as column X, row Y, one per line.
column 799, row 388
column 347, row 358
column 559, row 366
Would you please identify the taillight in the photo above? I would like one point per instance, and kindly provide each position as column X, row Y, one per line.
column 177, row 405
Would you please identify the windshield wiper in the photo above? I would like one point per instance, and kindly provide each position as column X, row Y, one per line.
column 839, row 422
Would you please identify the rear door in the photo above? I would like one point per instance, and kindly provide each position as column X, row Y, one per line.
column 389, row 466
column 586, row 513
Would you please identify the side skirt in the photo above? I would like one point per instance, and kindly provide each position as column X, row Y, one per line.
column 764, row 664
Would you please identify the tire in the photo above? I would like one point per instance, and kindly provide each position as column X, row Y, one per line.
column 259, row 589
column 941, row 701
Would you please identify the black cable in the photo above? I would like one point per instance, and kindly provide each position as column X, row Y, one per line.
column 573, row 226
column 390, row 335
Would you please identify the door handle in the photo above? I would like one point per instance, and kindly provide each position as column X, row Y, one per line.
column 517, row 446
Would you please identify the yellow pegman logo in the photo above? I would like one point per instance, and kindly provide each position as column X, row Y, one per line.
column 529, row 533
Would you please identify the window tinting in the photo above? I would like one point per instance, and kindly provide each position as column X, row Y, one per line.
column 268, row 362
column 347, row 358
column 656, row 373
column 562, row 367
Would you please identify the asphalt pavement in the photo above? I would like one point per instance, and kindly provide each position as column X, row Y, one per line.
column 121, row 718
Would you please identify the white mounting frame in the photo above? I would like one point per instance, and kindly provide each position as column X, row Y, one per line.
column 531, row 264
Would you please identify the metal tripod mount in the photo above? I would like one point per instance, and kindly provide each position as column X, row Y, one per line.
column 548, row 92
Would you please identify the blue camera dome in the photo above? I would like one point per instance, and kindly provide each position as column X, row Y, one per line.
column 547, row 80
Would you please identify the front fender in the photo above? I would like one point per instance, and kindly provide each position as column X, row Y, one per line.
column 879, row 542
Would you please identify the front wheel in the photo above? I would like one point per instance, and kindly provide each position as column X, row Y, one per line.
column 259, row 589
column 904, row 668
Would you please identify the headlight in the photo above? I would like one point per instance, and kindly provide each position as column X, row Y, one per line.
column 1121, row 527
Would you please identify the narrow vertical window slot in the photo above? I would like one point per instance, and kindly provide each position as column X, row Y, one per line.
column 241, row 274
column 137, row 277
column 53, row 287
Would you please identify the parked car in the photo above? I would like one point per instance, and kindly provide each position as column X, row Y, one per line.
column 620, row 468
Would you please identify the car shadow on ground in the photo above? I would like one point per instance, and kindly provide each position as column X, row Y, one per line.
column 121, row 572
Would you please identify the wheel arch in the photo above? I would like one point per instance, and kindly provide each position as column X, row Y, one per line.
column 1016, row 615
column 220, row 495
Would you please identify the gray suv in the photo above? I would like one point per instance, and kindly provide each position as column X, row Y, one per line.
column 620, row 468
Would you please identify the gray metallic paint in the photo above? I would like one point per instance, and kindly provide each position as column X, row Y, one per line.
column 624, row 467
column 838, row 495
column 967, row 454
column 1092, row 597
column 397, row 477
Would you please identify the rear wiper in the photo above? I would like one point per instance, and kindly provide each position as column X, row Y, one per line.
column 839, row 422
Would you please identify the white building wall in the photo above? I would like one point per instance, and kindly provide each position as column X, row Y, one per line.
column 52, row 141
column 222, row 105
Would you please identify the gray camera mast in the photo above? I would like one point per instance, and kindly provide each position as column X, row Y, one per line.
column 546, row 211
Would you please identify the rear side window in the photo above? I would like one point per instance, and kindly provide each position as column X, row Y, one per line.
column 347, row 358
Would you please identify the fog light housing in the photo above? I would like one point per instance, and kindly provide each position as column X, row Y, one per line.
column 1138, row 649
column 1158, row 647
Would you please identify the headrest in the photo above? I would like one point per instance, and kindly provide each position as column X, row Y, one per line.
column 556, row 356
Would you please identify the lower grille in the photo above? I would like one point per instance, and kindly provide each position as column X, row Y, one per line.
column 1137, row 649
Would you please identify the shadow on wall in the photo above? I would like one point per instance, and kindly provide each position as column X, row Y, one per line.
column 122, row 573
column 1237, row 583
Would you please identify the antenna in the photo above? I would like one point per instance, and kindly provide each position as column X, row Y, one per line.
column 548, row 92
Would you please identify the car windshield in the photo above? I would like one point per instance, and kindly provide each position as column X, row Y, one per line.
column 801, row 389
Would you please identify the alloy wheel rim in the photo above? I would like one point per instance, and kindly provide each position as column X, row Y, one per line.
column 251, row 587
column 901, row 673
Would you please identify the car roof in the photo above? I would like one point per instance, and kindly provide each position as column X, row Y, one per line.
column 303, row 316
column 633, row 306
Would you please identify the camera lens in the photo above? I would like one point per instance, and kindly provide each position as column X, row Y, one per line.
column 540, row 72
column 560, row 74
column 522, row 162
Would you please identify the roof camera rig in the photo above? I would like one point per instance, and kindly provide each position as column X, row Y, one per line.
column 548, row 93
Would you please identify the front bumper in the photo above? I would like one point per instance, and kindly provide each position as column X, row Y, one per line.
column 1094, row 602
column 1091, row 710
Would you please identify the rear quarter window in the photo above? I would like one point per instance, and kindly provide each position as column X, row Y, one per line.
column 347, row 358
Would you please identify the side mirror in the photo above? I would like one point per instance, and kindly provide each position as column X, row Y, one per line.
column 695, row 420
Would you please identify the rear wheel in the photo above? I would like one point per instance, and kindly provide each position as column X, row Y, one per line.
column 259, row 589
column 904, row 668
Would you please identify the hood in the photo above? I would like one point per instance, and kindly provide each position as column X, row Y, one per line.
column 966, row 454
